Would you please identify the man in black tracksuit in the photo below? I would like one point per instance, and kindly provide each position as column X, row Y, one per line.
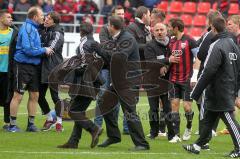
column 204, row 43
column 52, row 35
column 123, row 45
column 80, row 102
column 219, row 83
column 157, row 50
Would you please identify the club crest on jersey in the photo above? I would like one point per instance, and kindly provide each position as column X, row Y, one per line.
column 232, row 56
column 183, row 45
column 177, row 52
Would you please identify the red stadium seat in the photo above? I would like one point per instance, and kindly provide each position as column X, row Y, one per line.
column 169, row 16
column 214, row 7
column 163, row 6
column 199, row 20
column 203, row 7
column 196, row 32
column 189, row 7
column 186, row 30
column 187, row 19
column 234, row 8
column 176, row 7
column 100, row 22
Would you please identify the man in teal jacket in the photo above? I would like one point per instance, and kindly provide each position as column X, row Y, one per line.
column 8, row 39
column 27, row 59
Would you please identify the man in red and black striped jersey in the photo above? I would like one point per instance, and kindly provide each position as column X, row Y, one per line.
column 184, row 47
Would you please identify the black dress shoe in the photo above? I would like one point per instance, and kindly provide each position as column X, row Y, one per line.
column 205, row 147
column 108, row 142
column 190, row 148
column 152, row 137
column 95, row 136
column 68, row 146
column 139, row 148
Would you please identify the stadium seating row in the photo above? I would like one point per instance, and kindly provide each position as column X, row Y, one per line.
column 198, row 20
column 194, row 7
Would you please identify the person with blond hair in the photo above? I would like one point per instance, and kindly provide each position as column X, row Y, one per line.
column 27, row 59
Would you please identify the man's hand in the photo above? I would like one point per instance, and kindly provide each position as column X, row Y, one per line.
column 192, row 84
column 49, row 51
column 194, row 78
column 163, row 71
column 237, row 102
column 96, row 47
column 174, row 59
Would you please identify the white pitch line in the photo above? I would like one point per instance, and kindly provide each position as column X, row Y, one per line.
column 1, row 114
column 38, row 113
column 101, row 153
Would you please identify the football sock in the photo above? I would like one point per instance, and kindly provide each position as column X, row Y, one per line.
column 59, row 120
column 30, row 120
column 49, row 116
column 189, row 117
column 12, row 121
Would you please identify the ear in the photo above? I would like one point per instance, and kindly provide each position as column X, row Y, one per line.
column 212, row 28
column 175, row 28
column 35, row 16
column 144, row 16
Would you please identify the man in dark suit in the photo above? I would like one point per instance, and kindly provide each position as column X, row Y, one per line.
column 122, row 47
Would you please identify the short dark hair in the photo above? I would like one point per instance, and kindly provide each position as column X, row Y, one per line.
column 219, row 24
column 159, row 13
column 118, row 7
column 86, row 28
column 212, row 14
column 33, row 11
column 177, row 22
column 117, row 22
column 55, row 16
column 140, row 11
column 3, row 11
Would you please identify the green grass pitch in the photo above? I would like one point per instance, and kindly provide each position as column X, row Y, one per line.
column 42, row 145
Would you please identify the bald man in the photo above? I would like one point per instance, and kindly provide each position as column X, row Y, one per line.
column 157, row 50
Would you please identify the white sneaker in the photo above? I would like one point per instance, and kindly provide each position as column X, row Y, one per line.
column 187, row 134
column 197, row 132
column 160, row 134
column 175, row 139
column 214, row 134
